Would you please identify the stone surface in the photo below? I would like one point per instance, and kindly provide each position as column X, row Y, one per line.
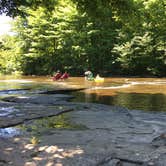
column 58, row 132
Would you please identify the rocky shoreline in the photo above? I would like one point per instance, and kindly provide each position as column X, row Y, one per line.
column 52, row 131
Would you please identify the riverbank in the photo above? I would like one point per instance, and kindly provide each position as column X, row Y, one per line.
column 48, row 130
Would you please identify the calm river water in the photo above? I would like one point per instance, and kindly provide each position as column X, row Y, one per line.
column 148, row 94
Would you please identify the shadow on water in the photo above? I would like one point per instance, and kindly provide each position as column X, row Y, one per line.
column 133, row 101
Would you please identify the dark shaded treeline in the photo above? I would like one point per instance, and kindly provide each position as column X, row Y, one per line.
column 108, row 37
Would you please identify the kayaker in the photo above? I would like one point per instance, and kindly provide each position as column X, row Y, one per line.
column 89, row 75
column 57, row 75
column 64, row 76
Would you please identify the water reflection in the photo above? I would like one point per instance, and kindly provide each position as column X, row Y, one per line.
column 141, row 101
column 133, row 101
column 134, row 93
column 148, row 94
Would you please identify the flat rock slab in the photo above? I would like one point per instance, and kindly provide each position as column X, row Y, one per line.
column 13, row 114
column 81, row 134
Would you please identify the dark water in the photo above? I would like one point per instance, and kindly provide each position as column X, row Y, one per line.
column 148, row 94
column 133, row 101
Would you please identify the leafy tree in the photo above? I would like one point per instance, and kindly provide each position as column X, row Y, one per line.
column 140, row 48
column 9, row 58
column 109, row 36
column 14, row 8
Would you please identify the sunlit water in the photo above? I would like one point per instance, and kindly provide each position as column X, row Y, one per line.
column 148, row 94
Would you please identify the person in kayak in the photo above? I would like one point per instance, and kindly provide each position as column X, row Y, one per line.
column 57, row 76
column 89, row 75
column 64, row 76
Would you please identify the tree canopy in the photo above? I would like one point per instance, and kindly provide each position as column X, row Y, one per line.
column 110, row 36
column 14, row 8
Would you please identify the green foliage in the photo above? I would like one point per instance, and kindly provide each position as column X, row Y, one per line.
column 108, row 36
column 9, row 59
column 14, row 8
column 140, row 48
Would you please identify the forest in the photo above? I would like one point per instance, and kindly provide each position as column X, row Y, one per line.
column 110, row 37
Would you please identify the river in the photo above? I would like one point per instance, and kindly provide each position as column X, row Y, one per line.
column 147, row 94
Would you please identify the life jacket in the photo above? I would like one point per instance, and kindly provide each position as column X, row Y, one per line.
column 64, row 76
column 57, row 76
